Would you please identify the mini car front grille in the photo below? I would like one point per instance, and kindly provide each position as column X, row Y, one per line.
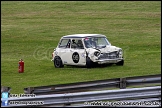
column 112, row 55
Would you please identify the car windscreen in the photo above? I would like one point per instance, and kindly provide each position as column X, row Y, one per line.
column 96, row 42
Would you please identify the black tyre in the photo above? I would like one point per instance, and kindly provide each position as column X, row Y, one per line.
column 89, row 62
column 121, row 63
column 58, row 62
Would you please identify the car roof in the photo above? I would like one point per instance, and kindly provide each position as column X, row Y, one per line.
column 83, row 35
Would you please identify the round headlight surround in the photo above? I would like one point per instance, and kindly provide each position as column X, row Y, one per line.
column 120, row 52
column 96, row 53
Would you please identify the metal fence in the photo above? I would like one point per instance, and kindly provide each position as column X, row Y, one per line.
column 146, row 96
column 93, row 93
column 5, row 89
column 121, row 83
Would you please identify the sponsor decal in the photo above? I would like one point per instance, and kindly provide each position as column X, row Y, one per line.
column 83, row 55
column 65, row 62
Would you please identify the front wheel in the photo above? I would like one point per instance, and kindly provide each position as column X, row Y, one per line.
column 121, row 63
column 89, row 62
column 58, row 62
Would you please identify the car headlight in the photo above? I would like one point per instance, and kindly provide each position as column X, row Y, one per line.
column 120, row 52
column 96, row 53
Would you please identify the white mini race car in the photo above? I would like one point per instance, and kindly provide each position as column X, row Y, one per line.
column 86, row 50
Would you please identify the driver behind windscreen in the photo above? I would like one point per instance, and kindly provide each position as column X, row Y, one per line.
column 89, row 43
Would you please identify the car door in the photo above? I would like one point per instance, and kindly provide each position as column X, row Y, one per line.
column 75, row 54
column 78, row 54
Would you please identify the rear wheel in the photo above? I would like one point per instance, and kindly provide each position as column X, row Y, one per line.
column 58, row 62
column 121, row 63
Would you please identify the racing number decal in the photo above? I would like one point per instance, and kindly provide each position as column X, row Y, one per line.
column 75, row 57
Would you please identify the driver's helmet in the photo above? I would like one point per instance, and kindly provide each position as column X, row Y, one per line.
column 73, row 41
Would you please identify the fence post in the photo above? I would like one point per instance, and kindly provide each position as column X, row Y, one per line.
column 29, row 90
column 5, row 89
column 122, row 83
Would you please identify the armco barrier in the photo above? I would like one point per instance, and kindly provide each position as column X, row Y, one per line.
column 145, row 96
column 5, row 89
column 121, row 83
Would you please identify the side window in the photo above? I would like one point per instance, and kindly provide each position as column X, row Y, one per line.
column 74, row 43
column 77, row 43
column 65, row 43
column 80, row 44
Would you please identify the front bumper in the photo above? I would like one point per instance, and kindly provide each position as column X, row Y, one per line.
column 103, row 61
